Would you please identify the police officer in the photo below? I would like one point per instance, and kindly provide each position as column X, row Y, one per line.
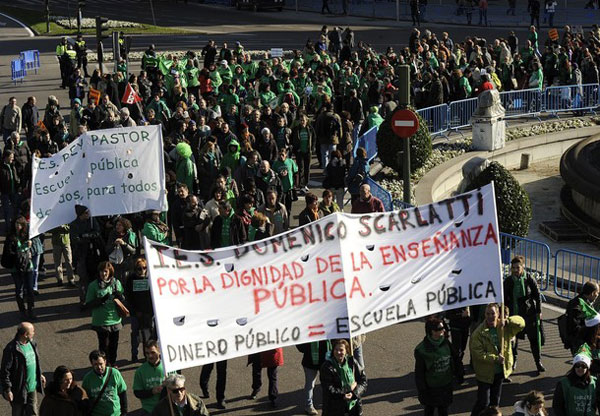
column 61, row 50
column 81, row 51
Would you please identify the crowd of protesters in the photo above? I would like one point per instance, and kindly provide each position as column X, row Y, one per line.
column 239, row 138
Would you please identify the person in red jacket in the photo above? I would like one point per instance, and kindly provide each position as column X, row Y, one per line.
column 366, row 202
column 271, row 360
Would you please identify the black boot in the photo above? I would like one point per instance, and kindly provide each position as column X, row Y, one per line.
column 30, row 314
column 21, row 305
column 540, row 367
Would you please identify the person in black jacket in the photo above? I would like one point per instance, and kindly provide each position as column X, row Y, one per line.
column 10, row 187
column 522, row 296
column 31, row 116
column 313, row 357
column 311, row 212
column 19, row 358
column 303, row 139
column 576, row 315
column 343, row 382
column 137, row 294
column 437, row 364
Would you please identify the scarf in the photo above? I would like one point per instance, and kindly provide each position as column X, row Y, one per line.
column 518, row 292
column 314, row 351
column 346, row 374
column 436, row 343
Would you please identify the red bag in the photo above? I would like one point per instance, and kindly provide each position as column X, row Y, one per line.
column 271, row 358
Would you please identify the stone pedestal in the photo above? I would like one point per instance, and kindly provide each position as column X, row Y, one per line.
column 488, row 125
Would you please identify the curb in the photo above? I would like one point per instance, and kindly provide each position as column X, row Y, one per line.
column 23, row 25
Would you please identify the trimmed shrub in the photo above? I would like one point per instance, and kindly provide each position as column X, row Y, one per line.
column 388, row 145
column 512, row 202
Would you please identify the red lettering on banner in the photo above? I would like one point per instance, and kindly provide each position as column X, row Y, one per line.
column 363, row 261
column 298, row 294
column 356, row 287
column 331, row 264
column 206, row 284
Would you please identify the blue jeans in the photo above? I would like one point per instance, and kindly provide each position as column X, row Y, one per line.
column 310, row 377
column 358, row 356
column 35, row 260
column 326, row 150
column 23, row 286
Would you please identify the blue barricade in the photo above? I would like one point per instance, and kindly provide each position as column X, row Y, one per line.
column 460, row 113
column 379, row 192
column 571, row 98
column 369, row 142
column 537, row 256
column 522, row 102
column 31, row 59
column 436, row 118
column 572, row 270
column 17, row 70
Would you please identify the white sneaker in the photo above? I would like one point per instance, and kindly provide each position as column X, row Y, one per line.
column 310, row 410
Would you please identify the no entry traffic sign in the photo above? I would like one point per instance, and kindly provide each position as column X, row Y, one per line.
column 405, row 123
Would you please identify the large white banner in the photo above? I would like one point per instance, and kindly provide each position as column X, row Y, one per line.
column 116, row 171
column 339, row 276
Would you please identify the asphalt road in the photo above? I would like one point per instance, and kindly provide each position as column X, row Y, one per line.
column 64, row 333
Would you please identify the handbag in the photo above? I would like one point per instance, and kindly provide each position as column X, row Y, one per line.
column 121, row 308
column 116, row 256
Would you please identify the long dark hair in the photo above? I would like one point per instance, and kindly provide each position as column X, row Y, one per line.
column 59, row 373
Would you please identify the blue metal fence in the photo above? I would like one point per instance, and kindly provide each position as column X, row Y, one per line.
column 520, row 103
column 572, row 269
column 17, row 70
column 537, row 256
column 436, row 118
column 31, row 59
column 369, row 142
column 380, row 192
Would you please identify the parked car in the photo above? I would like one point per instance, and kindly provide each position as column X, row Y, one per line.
column 255, row 5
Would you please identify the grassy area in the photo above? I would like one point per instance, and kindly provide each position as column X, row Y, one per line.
column 36, row 20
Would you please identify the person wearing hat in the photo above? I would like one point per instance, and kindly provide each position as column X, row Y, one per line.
column 579, row 309
column 81, row 51
column 575, row 394
column 522, row 296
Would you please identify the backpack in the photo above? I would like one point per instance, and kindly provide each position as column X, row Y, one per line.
column 333, row 126
column 562, row 330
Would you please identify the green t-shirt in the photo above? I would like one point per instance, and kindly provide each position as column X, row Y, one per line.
column 105, row 314
column 303, row 134
column 287, row 181
column 109, row 404
column 147, row 377
column 494, row 334
column 30, row 365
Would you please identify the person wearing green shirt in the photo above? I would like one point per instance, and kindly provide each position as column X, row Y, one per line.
column 437, row 364
column 266, row 95
column 101, row 298
column 155, row 229
column 21, row 376
column 105, row 388
column 148, row 378
column 229, row 98
column 575, row 394
column 286, row 169
column 225, row 72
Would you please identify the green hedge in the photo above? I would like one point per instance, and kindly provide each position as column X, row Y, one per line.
column 512, row 201
column 388, row 145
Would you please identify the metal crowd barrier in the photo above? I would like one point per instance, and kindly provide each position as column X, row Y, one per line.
column 436, row 118
column 571, row 98
column 572, row 270
column 522, row 102
column 31, row 59
column 369, row 142
column 380, row 192
column 17, row 70
column 537, row 256
column 460, row 112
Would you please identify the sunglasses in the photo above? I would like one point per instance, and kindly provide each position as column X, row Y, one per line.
column 139, row 269
column 179, row 390
column 439, row 328
column 580, row 366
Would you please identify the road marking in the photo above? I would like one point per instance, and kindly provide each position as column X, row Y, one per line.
column 20, row 24
column 404, row 123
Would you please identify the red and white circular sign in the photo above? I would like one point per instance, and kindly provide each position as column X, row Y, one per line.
column 405, row 123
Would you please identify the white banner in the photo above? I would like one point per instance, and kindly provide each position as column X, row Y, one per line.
column 339, row 276
column 116, row 171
